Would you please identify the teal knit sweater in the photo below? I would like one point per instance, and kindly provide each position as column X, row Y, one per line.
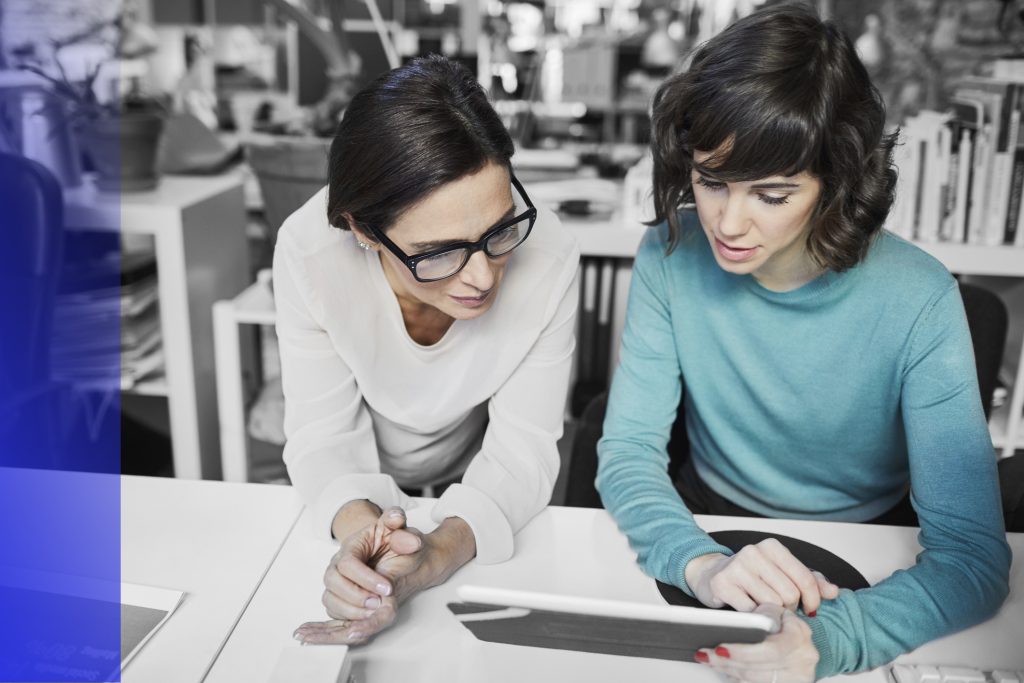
column 821, row 403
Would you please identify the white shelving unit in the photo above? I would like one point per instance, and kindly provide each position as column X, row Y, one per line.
column 198, row 229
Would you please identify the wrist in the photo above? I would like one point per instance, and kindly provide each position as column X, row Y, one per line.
column 451, row 545
column 696, row 567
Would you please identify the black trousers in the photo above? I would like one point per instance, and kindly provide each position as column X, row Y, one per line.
column 701, row 500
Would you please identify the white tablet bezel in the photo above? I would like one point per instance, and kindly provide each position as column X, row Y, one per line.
column 619, row 609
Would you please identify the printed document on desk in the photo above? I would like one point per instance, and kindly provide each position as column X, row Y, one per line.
column 69, row 649
column 144, row 609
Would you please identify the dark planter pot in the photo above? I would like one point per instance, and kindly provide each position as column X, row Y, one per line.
column 123, row 150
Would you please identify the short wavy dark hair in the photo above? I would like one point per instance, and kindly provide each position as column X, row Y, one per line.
column 776, row 93
column 410, row 131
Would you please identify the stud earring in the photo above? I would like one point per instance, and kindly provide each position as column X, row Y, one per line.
column 363, row 245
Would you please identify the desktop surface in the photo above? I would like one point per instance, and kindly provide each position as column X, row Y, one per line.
column 575, row 552
column 212, row 540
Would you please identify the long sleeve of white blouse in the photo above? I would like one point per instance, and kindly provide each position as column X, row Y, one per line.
column 511, row 479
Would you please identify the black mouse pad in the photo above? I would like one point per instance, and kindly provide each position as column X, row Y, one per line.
column 836, row 569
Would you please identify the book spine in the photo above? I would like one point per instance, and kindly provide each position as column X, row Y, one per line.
column 963, row 195
column 1016, row 187
column 951, row 142
column 982, row 154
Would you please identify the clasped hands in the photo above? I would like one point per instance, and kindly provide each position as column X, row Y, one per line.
column 764, row 578
column 378, row 566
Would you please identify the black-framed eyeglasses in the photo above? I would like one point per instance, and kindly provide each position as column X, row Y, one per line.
column 444, row 262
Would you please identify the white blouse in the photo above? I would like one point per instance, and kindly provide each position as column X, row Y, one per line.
column 368, row 409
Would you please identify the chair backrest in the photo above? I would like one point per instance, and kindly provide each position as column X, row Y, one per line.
column 289, row 173
column 988, row 320
column 32, row 234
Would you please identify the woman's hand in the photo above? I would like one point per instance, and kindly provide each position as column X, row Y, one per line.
column 788, row 656
column 765, row 573
column 378, row 568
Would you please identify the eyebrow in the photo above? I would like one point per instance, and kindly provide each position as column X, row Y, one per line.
column 437, row 244
column 759, row 186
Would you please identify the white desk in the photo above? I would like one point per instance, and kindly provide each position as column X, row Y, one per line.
column 212, row 540
column 575, row 552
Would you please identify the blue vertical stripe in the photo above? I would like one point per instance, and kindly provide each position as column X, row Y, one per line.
column 60, row 553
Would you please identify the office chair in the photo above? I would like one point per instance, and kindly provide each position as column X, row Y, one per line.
column 987, row 319
column 289, row 173
column 32, row 231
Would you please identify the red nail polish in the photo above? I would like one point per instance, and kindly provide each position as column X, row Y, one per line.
column 722, row 652
column 813, row 614
column 701, row 657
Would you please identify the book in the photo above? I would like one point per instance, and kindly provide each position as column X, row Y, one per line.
column 1001, row 98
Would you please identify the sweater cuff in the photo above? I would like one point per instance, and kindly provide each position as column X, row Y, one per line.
column 490, row 527
column 826, row 667
column 379, row 489
column 677, row 561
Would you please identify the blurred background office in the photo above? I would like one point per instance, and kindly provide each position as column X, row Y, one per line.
column 219, row 114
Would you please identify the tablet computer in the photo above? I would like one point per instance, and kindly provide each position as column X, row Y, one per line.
column 611, row 627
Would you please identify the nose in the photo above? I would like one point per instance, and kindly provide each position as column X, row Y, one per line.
column 732, row 219
column 479, row 272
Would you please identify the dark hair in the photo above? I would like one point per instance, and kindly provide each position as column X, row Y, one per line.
column 780, row 92
column 410, row 131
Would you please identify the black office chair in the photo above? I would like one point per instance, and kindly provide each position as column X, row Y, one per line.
column 987, row 318
column 31, row 230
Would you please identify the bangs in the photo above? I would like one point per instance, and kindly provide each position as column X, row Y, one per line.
column 749, row 145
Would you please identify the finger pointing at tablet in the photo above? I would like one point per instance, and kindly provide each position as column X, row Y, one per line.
column 765, row 573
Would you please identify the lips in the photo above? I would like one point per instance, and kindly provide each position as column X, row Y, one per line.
column 471, row 301
column 734, row 253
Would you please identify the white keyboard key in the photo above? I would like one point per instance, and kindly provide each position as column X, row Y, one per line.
column 961, row 674
column 999, row 676
column 902, row 673
column 928, row 674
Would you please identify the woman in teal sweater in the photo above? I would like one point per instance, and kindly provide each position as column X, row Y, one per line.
column 827, row 364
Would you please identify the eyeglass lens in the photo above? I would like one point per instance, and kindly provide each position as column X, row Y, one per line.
column 448, row 263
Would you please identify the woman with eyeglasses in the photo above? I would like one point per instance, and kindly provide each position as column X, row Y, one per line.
column 426, row 317
column 825, row 365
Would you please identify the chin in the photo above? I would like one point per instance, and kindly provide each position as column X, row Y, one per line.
column 743, row 268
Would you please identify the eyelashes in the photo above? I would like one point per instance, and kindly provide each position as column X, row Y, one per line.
column 715, row 186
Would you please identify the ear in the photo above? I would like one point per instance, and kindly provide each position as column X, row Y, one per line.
column 362, row 236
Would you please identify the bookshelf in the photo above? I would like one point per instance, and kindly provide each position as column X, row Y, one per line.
column 197, row 227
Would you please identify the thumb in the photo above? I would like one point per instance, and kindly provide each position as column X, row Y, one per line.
column 405, row 541
column 773, row 612
column 394, row 518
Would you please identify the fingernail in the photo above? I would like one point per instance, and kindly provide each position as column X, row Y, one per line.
column 355, row 636
column 297, row 636
column 395, row 513
column 384, row 589
column 812, row 613
column 722, row 652
column 372, row 602
column 701, row 657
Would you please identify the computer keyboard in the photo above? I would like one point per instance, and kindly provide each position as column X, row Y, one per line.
column 921, row 673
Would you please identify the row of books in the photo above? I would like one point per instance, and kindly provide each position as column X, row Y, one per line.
column 107, row 322
column 962, row 170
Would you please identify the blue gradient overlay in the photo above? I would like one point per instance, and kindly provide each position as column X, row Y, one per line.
column 60, row 557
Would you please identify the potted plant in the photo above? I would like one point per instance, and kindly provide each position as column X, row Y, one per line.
column 120, row 130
